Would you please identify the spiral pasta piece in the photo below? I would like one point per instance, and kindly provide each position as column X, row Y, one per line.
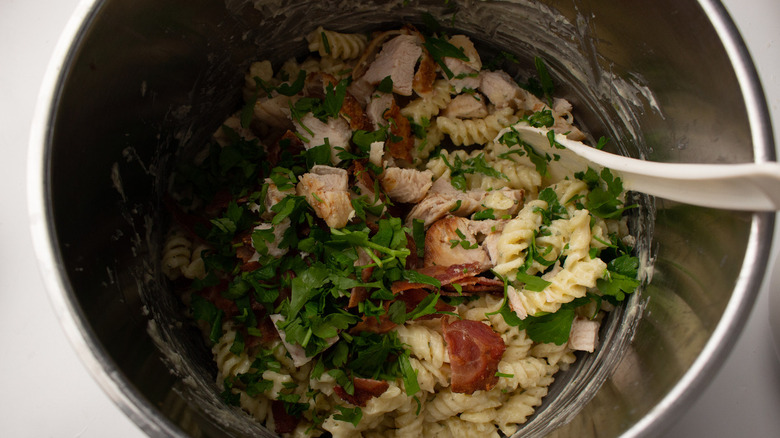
column 176, row 253
column 517, row 236
column 429, row 377
column 336, row 44
column 426, row 108
column 565, row 286
column 424, row 343
column 558, row 355
column 518, row 408
column 525, row 373
column 460, row 428
column 476, row 131
column 228, row 363
column 448, row 404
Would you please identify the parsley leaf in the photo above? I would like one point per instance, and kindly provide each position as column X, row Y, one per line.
column 411, row 385
column 289, row 90
column 349, row 415
column 603, row 200
column 386, row 85
column 554, row 209
column 459, row 168
column 484, row 215
column 620, row 278
column 512, row 138
column 439, row 49
column 305, row 287
column 532, row 282
column 551, row 328
column 204, row 310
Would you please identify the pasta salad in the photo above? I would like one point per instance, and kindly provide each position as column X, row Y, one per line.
column 371, row 247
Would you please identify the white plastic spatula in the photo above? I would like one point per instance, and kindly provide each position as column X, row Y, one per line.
column 750, row 186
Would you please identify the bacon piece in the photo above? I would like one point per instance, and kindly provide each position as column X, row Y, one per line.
column 474, row 350
column 189, row 222
column 356, row 296
column 359, row 294
column 412, row 297
column 214, row 295
column 474, row 286
column 287, row 142
column 372, row 324
column 285, row 423
column 250, row 266
column 412, row 260
column 264, row 325
column 445, row 275
column 365, row 390
column 244, row 249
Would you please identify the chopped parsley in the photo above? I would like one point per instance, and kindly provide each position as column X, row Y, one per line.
column 459, row 168
column 439, row 49
column 604, row 198
column 512, row 138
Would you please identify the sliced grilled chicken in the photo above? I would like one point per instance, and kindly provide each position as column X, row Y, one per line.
column 325, row 189
column 397, row 60
column 449, row 241
column 406, row 185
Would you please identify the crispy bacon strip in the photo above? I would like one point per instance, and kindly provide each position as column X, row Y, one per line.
column 445, row 275
column 288, row 141
column 373, row 324
column 285, row 423
column 475, row 350
column 189, row 222
column 365, row 390
column 474, row 286
column 245, row 251
column 356, row 296
column 214, row 295
column 266, row 328
column 412, row 298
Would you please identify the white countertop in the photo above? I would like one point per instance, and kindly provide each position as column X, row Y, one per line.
column 45, row 391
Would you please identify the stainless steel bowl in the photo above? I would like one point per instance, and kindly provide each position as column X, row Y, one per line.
column 137, row 83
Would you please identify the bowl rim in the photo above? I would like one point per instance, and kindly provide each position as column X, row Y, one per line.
column 134, row 405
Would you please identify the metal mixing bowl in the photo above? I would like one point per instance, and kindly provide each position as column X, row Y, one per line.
column 137, row 84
